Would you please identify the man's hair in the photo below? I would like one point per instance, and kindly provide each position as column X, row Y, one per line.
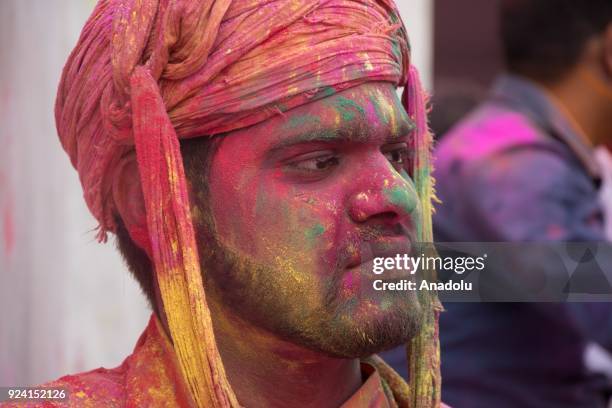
column 544, row 39
column 197, row 159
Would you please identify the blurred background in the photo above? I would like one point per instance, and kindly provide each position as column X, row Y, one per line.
column 68, row 302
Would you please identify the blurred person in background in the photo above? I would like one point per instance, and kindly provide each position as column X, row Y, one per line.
column 521, row 167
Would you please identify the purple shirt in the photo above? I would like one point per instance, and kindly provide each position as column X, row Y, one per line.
column 515, row 170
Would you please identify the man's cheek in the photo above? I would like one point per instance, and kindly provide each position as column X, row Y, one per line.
column 318, row 222
column 297, row 234
column 245, row 214
column 233, row 228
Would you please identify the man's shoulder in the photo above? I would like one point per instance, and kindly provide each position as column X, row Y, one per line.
column 101, row 385
column 490, row 130
column 501, row 140
column 147, row 377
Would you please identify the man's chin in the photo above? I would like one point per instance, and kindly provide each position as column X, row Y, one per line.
column 367, row 329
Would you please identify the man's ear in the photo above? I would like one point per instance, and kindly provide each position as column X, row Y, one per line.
column 129, row 201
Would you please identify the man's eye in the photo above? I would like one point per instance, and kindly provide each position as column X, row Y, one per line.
column 398, row 157
column 321, row 163
column 312, row 166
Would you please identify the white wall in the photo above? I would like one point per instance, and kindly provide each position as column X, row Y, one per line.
column 67, row 302
column 418, row 18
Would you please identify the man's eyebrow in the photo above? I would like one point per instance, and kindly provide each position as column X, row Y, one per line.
column 313, row 136
column 343, row 134
column 404, row 128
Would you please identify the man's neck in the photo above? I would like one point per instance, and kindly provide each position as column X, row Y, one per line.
column 588, row 111
column 265, row 371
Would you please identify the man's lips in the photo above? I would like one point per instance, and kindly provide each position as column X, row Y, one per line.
column 382, row 248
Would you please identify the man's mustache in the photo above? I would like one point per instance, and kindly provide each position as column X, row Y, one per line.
column 372, row 239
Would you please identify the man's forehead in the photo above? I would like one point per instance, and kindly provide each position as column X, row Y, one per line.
column 369, row 112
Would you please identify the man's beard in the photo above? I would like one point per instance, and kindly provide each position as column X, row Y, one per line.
column 262, row 296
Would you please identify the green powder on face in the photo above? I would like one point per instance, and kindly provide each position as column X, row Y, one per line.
column 386, row 304
column 301, row 120
column 402, row 198
column 348, row 107
column 379, row 114
column 315, row 231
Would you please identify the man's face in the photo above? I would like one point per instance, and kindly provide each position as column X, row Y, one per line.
column 298, row 205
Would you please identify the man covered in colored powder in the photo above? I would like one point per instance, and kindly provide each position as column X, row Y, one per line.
column 252, row 157
column 520, row 168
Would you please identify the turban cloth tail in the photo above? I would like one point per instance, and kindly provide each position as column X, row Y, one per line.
column 423, row 350
column 173, row 246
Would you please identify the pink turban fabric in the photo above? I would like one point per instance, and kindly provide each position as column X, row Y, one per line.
column 147, row 73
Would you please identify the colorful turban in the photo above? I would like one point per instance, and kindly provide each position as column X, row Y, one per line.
column 147, row 73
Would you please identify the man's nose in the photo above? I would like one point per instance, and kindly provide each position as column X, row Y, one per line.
column 383, row 194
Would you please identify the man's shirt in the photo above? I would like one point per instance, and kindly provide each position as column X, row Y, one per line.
column 516, row 169
column 150, row 377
